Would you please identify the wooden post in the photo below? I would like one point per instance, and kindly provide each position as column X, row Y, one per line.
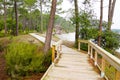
column 88, row 49
column 53, row 53
column 103, row 68
column 79, row 46
column 91, row 53
column 95, row 63
column 117, row 75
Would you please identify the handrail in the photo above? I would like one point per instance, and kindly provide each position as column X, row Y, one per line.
column 106, row 57
column 114, row 61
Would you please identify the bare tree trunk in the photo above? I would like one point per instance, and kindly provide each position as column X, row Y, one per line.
column 111, row 12
column 41, row 17
column 100, row 25
column 50, row 27
column 77, row 23
column 16, row 17
column 5, row 17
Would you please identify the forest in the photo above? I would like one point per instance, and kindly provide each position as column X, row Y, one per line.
column 24, row 57
column 27, row 16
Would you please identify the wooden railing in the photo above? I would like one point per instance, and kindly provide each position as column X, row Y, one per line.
column 56, row 48
column 108, row 64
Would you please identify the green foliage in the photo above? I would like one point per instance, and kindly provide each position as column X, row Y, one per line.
column 88, row 25
column 11, row 26
column 110, row 41
column 89, row 30
column 30, row 17
column 67, row 26
column 30, row 3
column 2, row 34
column 110, row 72
column 85, row 19
column 23, row 59
column 87, row 33
column 84, row 46
column 1, row 25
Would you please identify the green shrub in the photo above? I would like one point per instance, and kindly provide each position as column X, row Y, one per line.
column 110, row 72
column 84, row 46
column 1, row 47
column 22, row 59
column 110, row 41
column 3, row 44
column 2, row 34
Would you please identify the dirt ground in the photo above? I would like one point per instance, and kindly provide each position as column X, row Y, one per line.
column 3, row 75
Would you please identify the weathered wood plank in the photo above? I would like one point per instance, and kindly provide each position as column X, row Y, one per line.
column 73, row 66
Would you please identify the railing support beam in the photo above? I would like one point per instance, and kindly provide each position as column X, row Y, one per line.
column 103, row 68
column 95, row 63
column 78, row 46
column 88, row 49
column 53, row 53
column 91, row 53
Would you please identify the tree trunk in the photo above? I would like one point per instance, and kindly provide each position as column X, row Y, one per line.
column 100, row 25
column 5, row 17
column 16, row 16
column 50, row 27
column 77, row 23
column 41, row 17
column 111, row 12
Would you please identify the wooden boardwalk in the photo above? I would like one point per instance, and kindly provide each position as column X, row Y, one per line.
column 72, row 65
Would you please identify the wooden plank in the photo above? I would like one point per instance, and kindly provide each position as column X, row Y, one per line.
column 73, row 76
column 76, row 70
column 83, row 41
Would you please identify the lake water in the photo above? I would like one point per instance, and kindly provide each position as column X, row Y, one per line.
column 68, row 37
column 118, row 50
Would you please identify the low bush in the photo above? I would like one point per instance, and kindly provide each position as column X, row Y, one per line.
column 84, row 46
column 22, row 59
column 3, row 44
column 2, row 34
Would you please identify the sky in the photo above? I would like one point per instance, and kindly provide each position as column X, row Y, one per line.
column 66, row 5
